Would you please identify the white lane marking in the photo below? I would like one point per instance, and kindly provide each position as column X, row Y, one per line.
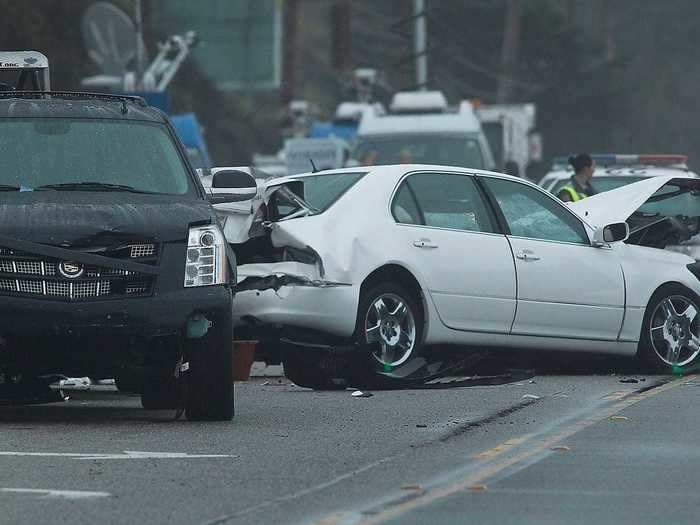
column 127, row 454
column 51, row 493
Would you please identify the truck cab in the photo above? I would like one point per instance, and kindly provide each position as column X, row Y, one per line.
column 422, row 128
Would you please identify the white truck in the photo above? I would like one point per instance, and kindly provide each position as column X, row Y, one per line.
column 509, row 129
column 422, row 128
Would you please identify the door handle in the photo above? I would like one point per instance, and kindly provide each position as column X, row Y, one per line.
column 526, row 255
column 425, row 243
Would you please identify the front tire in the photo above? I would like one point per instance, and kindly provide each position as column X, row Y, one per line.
column 210, row 377
column 670, row 340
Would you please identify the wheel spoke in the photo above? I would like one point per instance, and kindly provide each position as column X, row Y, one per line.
column 400, row 312
column 694, row 342
column 672, row 353
column 658, row 332
column 373, row 333
column 668, row 308
column 690, row 313
column 388, row 353
column 380, row 308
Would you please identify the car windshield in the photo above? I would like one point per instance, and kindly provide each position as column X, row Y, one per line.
column 312, row 194
column 600, row 184
column 445, row 150
column 90, row 154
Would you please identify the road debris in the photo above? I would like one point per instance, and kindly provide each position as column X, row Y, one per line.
column 421, row 425
column 561, row 448
column 619, row 418
column 360, row 393
column 477, row 488
column 629, row 380
column 531, row 396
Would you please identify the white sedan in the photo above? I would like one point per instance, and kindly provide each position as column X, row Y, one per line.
column 396, row 259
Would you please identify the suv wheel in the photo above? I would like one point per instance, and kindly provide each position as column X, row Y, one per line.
column 210, row 377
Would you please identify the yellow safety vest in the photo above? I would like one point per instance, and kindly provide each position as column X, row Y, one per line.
column 575, row 195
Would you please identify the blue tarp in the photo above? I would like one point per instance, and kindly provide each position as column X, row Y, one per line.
column 324, row 130
column 190, row 133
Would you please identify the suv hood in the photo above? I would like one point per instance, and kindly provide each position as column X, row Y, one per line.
column 77, row 219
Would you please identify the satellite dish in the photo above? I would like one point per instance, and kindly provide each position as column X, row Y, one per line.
column 110, row 38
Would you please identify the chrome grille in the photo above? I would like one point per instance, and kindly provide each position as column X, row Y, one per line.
column 27, row 286
column 30, row 275
column 143, row 250
column 28, row 267
column 60, row 288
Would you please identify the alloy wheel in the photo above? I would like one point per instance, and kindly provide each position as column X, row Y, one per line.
column 674, row 330
column 390, row 328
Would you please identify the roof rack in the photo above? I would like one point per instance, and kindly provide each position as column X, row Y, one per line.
column 74, row 95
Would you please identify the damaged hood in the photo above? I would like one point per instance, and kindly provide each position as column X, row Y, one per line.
column 85, row 219
column 619, row 204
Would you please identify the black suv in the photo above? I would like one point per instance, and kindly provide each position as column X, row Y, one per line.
column 112, row 263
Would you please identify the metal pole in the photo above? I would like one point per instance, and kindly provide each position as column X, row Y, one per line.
column 420, row 45
column 138, row 19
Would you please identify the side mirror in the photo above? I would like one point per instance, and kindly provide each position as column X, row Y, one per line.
column 616, row 232
column 232, row 186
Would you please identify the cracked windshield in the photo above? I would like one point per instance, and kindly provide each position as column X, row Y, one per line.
column 349, row 262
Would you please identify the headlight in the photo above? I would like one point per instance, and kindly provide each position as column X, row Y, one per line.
column 205, row 263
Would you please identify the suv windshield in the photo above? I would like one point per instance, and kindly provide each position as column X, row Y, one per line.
column 107, row 154
column 311, row 195
column 445, row 150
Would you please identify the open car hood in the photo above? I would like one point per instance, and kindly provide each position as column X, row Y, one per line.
column 666, row 221
column 619, row 204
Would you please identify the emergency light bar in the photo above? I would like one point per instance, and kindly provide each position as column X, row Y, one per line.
column 611, row 159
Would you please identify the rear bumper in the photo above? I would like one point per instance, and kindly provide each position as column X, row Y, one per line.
column 159, row 315
column 329, row 310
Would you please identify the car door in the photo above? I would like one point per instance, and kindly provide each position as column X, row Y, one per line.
column 566, row 287
column 466, row 263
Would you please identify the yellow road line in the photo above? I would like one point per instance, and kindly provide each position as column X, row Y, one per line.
column 494, row 467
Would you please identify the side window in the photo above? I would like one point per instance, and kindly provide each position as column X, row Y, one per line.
column 529, row 213
column 442, row 200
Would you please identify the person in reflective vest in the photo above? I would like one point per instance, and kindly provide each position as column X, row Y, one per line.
column 579, row 187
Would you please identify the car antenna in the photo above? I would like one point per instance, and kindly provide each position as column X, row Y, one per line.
column 313, row 166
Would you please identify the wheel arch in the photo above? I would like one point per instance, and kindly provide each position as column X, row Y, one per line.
column 402, row 275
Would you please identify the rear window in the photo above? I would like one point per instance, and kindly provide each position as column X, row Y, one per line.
column 315, row 193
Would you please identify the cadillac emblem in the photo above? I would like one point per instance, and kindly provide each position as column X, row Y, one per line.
column 70, row 270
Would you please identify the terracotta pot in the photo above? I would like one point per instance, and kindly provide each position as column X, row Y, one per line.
column 243, row 357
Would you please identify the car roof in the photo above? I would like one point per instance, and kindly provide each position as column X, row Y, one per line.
column 397, row 170
column 32, row 104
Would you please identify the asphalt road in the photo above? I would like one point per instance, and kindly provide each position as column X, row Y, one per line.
column 583, row 448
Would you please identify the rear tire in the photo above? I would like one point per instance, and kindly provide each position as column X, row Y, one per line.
column 393, row 331
column 210, row 376
column 308, row 369
column 670, row 341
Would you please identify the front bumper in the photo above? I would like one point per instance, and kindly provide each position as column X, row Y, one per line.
column 330, row 310
column 159, row 315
